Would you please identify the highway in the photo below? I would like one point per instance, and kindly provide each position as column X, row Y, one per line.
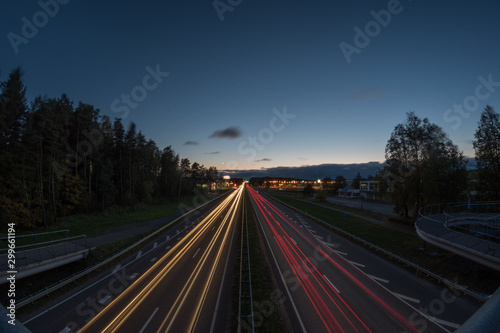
column 180, row 292
column 324, row 290
column 185, row 287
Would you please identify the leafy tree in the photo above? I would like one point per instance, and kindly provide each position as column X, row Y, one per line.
column 308, row 190
column 340, row 183
column 487, row 149
column 423, row 166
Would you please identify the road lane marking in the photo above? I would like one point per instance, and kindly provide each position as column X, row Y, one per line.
column 131, row 277
column 65, row 330
column 155, row 245
column 153, row 259
column 408, row 298
column 331, row 284
column 378, row 279
column 147, row 322
column 311, row 230
column 117, row 268
column 168, row 247
column 104, row 300
column 139, row 254
column 196, row 252
column 318, row 237
column 340, row 252
column 444, row 322
column 356, row 263
column 293, row 241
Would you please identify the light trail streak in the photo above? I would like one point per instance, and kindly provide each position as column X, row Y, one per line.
column 166, row 264
column 290, row 245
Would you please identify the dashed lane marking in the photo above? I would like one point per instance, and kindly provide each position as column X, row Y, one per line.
column 407, row 298
column 376, row 278
column 105, row 299
column 356, row 263
column 331, row 284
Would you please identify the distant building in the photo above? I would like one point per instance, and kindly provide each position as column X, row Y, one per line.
column 369, row 189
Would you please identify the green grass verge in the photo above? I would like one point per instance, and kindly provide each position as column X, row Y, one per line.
column 87, row 224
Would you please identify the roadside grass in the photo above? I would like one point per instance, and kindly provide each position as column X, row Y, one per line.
column 406, row 244
column 90, row 223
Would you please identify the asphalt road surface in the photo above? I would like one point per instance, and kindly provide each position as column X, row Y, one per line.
column 330, row 285
column 181, row 283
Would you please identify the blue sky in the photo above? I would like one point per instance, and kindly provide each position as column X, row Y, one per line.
column 264, row 59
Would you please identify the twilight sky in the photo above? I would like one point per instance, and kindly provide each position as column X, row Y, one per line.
column 259, row 84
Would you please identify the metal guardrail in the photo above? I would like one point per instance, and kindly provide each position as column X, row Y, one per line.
column 76, row 276
column 245, row 308
column 466, row 290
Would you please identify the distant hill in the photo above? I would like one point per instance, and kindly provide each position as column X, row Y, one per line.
column 320, row 171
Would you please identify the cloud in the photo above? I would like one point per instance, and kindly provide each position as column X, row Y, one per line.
column 213, row 153
column 193, row 143
column 229, row 133
column 366, row 94
column 264, row 160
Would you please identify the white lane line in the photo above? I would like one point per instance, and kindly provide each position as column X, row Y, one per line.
column 196, row 252
column 334, row 245
column 102, row 301
column 331, row 284
column 177, row 231
column 340, row 252
column 139, row 254
column 65, row 330
column 147, row 322
column 168, row 247
column 356, row 263
column 155, row 245
column 293, row 240
column 408, row 298
column 311, row 230
column 444, row 322
column 168, row 237
column 117, row 268
column 131, row 277
column 153, row 259
column 318, row 237
column 376, row 278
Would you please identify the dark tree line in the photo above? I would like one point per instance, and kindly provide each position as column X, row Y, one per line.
column 57, row 159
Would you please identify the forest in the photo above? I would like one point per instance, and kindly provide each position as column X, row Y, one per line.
column 57, row 159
